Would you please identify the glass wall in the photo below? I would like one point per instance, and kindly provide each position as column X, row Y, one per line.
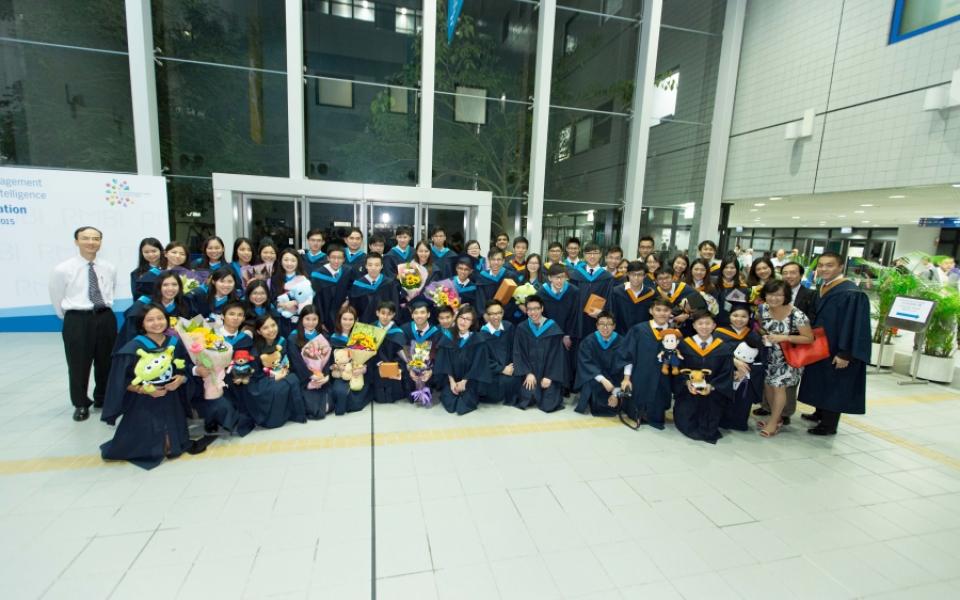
column 361, row 100
column 221, row 100
column 594, row 65
column 483, row 104
column 684, row 86
column 65, row 85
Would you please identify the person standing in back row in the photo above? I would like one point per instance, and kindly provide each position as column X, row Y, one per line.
column 82, row 289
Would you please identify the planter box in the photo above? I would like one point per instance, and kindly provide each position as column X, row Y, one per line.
column 934, row 368
column 889, row 353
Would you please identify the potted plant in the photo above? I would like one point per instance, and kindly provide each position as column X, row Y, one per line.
column 936, row 363
column 883, row 285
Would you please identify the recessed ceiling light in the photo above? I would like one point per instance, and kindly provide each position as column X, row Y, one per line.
column 956, row 185
column 864, row 221
column 759, row 204
column 757, row 219
column 896, row 197
column 859, row 212
column 754, row 209
column 866, row 205
column 794, row 217
column 781, row 198
column 841, row 216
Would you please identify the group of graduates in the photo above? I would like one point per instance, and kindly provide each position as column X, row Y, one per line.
column 656, row 343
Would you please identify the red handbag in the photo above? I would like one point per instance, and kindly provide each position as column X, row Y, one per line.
column 801, row 355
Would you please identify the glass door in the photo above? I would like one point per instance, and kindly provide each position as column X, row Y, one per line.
column 455, row 222
column 334, row 217
column 384, row 219
column 274, row 217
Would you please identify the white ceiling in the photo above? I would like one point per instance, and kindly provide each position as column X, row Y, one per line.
column 847, row 209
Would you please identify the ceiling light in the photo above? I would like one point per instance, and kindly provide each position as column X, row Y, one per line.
column 841, row 216
column 794, row 217
column 759, row 204
column 754, row 209
column 864, row 221
column 866, row 205
column 859, row 212
column 776, row 197
column 956, row 185
column 896, row 197
column 757, row 219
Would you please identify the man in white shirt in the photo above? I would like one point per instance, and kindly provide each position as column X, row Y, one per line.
column 946, row 273
column 82, row 289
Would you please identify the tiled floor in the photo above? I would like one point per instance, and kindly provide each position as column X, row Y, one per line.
column 496, row 504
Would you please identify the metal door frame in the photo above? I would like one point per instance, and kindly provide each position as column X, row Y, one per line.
column 417, row 213
column 246, row 220
column 425, row 208
column 308, row 200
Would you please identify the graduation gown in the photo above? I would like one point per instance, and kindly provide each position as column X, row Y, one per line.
column 737, row 412
column 147, row 424
column 462, row 359
column 313, row 261
column 329, row 292
column 389, row 390
column 344, row 399
column 562, row 307
column 651, row 390
column 235, row 393
column 431, row 335
column 444, row 261
column 630, row 308
column 131, row 316
column 470, row 294
column 696, row 416
column 503, row 388
column 201, row 304
column 254, row 312
column 272, row 402
column 365, row 296
column 488, row 284
column 844, row 312
column 600, row 284
column 318, row 402
column 723, row 316
column 394, row 257
column 596, row 356
column 142, row 283
column 539, row 350
column 355, row 262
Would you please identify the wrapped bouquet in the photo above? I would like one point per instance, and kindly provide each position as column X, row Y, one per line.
column 315, row 354
column 190, row 280
column 412, row 277
column 208, row 349
column 443, row 293
column 363, row 343
column 419, row 366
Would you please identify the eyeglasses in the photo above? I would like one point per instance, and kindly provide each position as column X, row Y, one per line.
column 495, row 314
column 605, row 324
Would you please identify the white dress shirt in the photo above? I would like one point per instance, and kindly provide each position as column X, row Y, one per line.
column 69, row 284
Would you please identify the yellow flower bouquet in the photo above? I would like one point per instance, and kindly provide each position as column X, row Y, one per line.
column 412, row 277
column 363, row 343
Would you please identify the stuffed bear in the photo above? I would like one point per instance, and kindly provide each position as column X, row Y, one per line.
column 241, row 367
column 275, row 363
column 698, row 380
column 300, row 293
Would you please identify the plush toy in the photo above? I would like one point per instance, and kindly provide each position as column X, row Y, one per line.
column 241, row 367
column 670, row 356
column 698, row 380
column 155, row 368
column 300, row 293
column 275, row 363
column 341, row 364
column 746, row 354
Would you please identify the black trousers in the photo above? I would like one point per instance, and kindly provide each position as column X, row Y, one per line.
column 828, row 419
column 88, row 339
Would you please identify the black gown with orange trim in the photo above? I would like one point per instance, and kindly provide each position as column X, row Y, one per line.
column 698, row 416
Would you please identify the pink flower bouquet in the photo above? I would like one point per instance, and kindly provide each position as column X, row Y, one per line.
column 315, row 354
column 443, row 293
column 206, row 349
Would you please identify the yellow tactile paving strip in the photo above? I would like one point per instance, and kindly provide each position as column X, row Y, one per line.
column 87, row 461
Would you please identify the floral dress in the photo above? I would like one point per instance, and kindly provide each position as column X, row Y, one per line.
column 779, row 373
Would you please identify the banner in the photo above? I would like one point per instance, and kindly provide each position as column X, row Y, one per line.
column 453, row 15
column 39, row 211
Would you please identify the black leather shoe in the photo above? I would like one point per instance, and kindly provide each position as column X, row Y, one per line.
column 818, row 430
column 815, row 417
column 761, row 412
column 81, row 414
column 785, row 420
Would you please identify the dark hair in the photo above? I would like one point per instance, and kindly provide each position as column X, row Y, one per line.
column 156, row 296
column 534, row 298
column 234, row 304
column 663, row 271
column 351, row 231
column 520, row 240
column 316, row 231
column 150, row 306
column 279, row 275
column 436, row 230
column 772, row 287
column 613, row 249
column 446, row 308
column 264, row 244
column 248, row 294
column 659, row 301
column 259, row 343
column 685, row 260
column 752, row 278
column 175, row 244
column 500, row 235
column 795, row 264
column 493, row 252
column 833, row 255
column 556, row 269
column 656, row 256
column 591, row 247
column 606, row 314
column 493, row 303
column 469, row 309
column 335, row 248
column 426, row 245
column 142, row 265
column 387, row 304
column 729, row 260
column 370, row 255
column 702, row 314
column 344, row 310
column 526, row 270
column 403, row 229
column 309, row 309
column 636, row 265
column 707, row 243
column 236, row 246
column 647, row 238
column 76, row 233
column 376, row 239
column 221, row 273
column 470, row 243
column 555, row 245
column 708, row 286
column 204, row 261
column 572, row 240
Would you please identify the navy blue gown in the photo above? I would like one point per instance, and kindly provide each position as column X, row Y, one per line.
column 488, row 284
column 365, row 296
column 329, row 292
column 503, row 388
column 697, row 416
column 317, row 402
column 394, row 257
column 597, row 356
column 736, row 413
column 150, row 428
column 629, row 308
column 444, row 261
column 272, row 402
column 142, row 282
column 539, row 350
column 651, row 394
column 344, row 399
column 389, row 390
column 600, row 283
column 461, row 358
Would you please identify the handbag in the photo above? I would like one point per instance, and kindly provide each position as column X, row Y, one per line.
column 801, row 355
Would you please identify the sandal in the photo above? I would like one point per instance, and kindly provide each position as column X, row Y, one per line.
column 764, row 433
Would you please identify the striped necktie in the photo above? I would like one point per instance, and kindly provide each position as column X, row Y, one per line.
column 93, row 291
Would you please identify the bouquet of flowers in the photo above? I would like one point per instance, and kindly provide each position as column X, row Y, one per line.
column 412, row 277
column 520, row 294
column 190, row 280
column 419, row 366
column 363, row 343
column 443, row 293
column 251, row 273
column 207, row 349
column 315, row 354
